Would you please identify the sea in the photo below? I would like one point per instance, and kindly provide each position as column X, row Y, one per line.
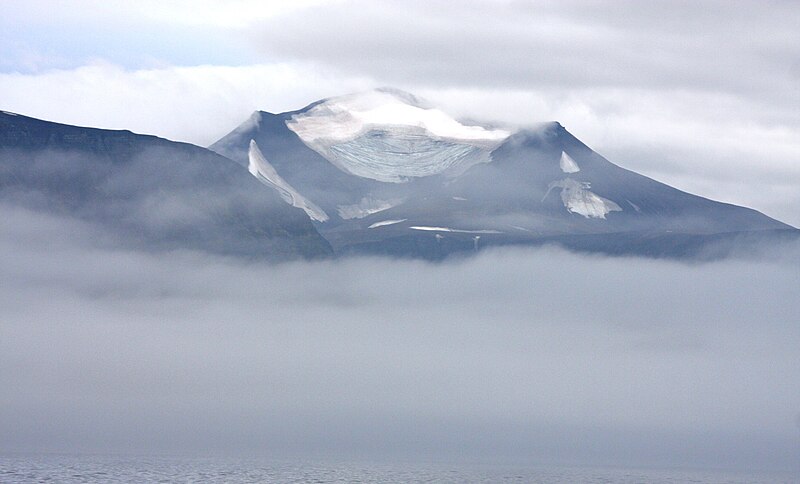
column 62, row 468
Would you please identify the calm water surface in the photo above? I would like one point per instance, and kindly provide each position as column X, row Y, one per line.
column 69, row 469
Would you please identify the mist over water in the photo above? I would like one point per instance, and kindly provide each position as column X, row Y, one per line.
column 512, row 355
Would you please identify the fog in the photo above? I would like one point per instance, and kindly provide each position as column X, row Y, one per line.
column 532, row 356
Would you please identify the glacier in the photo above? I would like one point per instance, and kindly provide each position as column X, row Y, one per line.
column 391, row 136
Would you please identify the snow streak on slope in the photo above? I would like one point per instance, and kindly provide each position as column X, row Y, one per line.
column 384, row 223
column 567, row 164
column 266, row 174
column 391, row 136
column 577, row 198
column 448, row 229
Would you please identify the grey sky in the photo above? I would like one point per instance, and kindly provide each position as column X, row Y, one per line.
column 675, row 45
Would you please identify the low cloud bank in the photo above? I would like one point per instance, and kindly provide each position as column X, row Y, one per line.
column 534, row 355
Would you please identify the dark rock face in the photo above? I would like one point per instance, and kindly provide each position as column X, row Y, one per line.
column 149, row 192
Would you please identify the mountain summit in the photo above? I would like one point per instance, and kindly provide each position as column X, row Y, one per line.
column 386, row 172
column 391, row 136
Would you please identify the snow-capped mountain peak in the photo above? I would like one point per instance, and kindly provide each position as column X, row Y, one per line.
column 383, row 171
column 391, row 136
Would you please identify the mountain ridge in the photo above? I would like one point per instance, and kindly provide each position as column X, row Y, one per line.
column 391, row 175
column 153, row 193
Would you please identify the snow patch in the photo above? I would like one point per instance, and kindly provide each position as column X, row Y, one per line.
column 635, row 207
column 366, row 206
column 577, row 198
column 384, row 223
column 448, row 229
column 568, row 165
column 260, row 168
column 10, row 114
column 460, row 199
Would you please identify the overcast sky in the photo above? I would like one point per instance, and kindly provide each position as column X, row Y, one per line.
column 702, row 95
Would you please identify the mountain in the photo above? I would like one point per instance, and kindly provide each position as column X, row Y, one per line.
column 386, row 172
column 148, row 192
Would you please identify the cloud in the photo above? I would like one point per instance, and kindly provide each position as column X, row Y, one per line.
column 197, row 104
column 537, row 355
column 39, row 35
column 234, row 14
column 578, row 44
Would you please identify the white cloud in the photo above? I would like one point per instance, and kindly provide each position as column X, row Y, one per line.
column 196, row 104
column 236, row 14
